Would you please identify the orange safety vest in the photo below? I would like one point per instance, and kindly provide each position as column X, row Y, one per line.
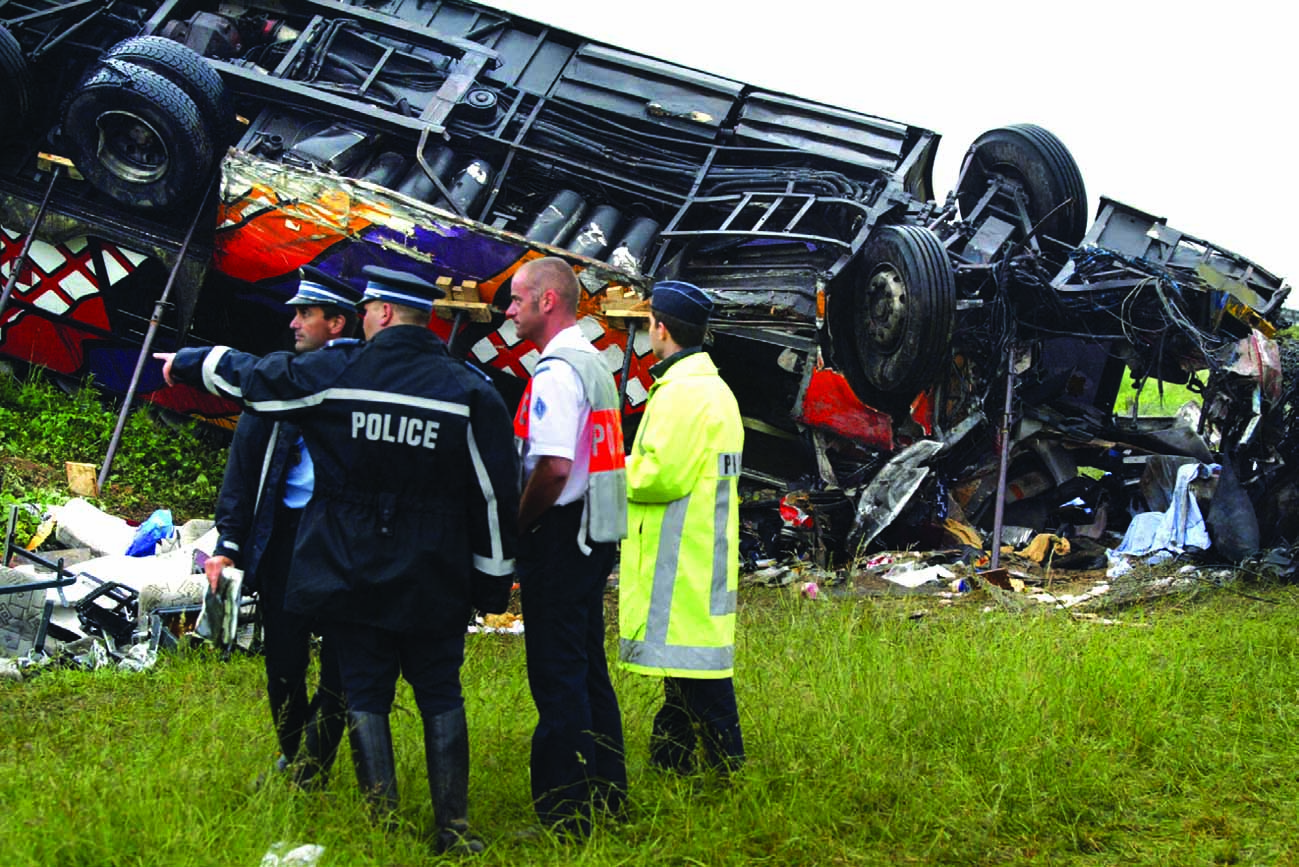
column 604, row 510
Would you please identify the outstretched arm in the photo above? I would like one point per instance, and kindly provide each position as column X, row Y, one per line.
column 166, row 358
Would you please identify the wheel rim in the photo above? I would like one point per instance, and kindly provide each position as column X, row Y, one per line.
column 886, row 309
column 131, row 148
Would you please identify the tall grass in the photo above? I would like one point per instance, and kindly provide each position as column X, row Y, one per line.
column 875, row 736
column 156, row 465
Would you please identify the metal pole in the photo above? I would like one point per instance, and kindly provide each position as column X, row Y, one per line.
column 626, row 363
column 158, row 309
column 1002, row 468
column 455, row 329
column 18, row 264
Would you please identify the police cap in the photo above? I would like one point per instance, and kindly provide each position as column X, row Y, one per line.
column 683, row 301
column 318, row 289
column 398, row 287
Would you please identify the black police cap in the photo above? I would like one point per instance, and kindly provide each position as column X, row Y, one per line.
column 398, row 287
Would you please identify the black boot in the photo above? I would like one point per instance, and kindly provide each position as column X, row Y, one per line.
column 446, row 751
column 371, row 740
column 289, row 712
column 321, row 737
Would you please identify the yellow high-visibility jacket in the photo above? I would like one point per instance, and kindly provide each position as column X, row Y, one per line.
column 680, row 560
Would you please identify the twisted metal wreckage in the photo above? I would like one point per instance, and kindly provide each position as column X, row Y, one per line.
column 907, row 367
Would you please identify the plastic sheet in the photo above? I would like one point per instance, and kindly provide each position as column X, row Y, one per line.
column 1158, row 536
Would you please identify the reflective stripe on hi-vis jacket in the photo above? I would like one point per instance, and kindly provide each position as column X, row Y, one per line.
column 655, row 650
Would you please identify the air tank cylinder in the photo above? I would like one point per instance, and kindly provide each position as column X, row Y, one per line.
column 468, row 188
column 417, row 183
column 596, row 233
column 385, row 169
column 555, row 222
column 630, row 252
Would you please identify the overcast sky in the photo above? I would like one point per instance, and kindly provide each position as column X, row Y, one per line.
column 1186, row 111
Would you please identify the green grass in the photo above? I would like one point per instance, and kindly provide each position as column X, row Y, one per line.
column 156, row 465
column 1155, row 398
column 962, row 736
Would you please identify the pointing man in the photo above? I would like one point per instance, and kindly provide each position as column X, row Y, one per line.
column 410, row 525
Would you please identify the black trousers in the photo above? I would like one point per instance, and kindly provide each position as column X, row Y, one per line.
column 286, row 644
column 373, row 658
column 577, row 748
column 706, row 705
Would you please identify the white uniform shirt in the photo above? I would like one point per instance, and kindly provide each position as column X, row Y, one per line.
column 559, row 415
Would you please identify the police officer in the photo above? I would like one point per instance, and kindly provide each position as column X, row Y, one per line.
column 680, row 562
column 268, row 479
column 409, row 526
column 572, row 511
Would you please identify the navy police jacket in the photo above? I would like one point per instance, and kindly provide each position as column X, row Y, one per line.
column 416, row 475
column 252, row 490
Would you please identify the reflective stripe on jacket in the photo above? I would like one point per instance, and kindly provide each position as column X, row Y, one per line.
column 416, row 491
column 680, row 561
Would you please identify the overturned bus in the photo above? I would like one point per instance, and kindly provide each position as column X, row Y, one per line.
column 214, row 148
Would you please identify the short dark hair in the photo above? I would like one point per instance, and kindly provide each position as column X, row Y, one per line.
column 684, row 334
column 404, row 314
column 350, row 319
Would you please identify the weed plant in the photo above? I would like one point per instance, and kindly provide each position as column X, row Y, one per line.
column 878, row 732
column 157, row 465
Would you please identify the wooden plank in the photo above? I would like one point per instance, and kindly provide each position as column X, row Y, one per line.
column 474, row 311
column 82, row 479
column 621, row 319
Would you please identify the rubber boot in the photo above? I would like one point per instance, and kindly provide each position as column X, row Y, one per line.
column 323, row 734
column 289, row 712
column 446, row 751
column 376, row 773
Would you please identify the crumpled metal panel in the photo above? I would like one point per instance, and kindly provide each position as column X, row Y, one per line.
column 274, row 218
column 829, row 403
column 889, row 492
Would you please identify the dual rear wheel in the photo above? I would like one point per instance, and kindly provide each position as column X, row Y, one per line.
column 895, row 328
column 147, row 124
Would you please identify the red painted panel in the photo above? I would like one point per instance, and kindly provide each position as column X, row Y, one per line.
column 830, row 404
